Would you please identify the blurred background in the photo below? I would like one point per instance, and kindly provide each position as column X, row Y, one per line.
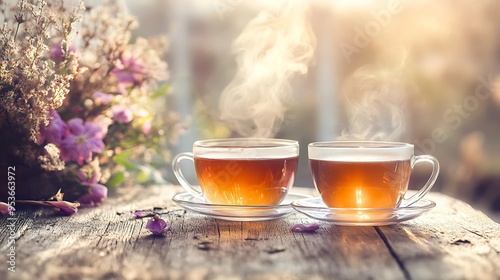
column 426, row 69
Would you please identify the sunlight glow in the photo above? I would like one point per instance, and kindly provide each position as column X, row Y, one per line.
column 346, row 4
column 359, row 198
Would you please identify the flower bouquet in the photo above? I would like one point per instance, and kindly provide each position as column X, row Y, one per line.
column 79, row 102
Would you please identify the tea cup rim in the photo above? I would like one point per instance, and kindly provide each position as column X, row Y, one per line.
column 344, row 144
column 358, row 151
column 264, row 143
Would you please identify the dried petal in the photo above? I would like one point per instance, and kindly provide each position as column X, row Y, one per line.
column 65, row 208
column 4, row 208
column 143, row 213
column 156, row 225
column 304, row 228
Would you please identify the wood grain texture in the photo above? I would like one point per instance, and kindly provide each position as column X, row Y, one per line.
column 452, row 241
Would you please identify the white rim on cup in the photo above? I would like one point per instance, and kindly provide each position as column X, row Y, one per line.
column 246, row 148
column 353, row 151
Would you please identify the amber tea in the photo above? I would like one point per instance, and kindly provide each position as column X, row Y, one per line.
column 361, row 184
column 366, row 174
column 241, row 171
column 246, row 181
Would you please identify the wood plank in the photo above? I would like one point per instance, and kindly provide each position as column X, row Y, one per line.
column 452, row 241
column 106, row 242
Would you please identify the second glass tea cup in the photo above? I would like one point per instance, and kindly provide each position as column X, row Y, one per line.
column 366, row 174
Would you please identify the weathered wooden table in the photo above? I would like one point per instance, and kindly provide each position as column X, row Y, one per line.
column 452, row 241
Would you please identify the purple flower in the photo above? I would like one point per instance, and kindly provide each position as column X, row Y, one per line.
column 122, row 114
column 55, row 131
column 157, row 225
column 5, row 208
column 97, row 192
column 82, row 140
column 56, row 52
column 63, row 207
column 102, row 98
column 129, row 71
column 304, row 228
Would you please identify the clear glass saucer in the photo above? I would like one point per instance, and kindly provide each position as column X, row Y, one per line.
column 238, row 212
column 316, row 209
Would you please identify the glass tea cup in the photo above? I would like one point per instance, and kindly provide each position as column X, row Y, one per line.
column 366, row 174
column 241, row 171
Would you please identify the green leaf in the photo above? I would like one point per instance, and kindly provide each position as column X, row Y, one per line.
column 161, row 91
column 116, row 179
column 148, row 174
column 122, row 159
column 142, row 177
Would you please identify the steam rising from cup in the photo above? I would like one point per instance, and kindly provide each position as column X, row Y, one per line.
column 374, row 100
column 269, row 52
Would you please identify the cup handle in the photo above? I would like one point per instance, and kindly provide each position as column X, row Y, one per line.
column 180, row 177
column 432, row 179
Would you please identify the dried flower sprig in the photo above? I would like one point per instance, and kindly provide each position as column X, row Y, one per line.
column 84, row 106
column 62, row 207
column 56, row 203
column 31, row 85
